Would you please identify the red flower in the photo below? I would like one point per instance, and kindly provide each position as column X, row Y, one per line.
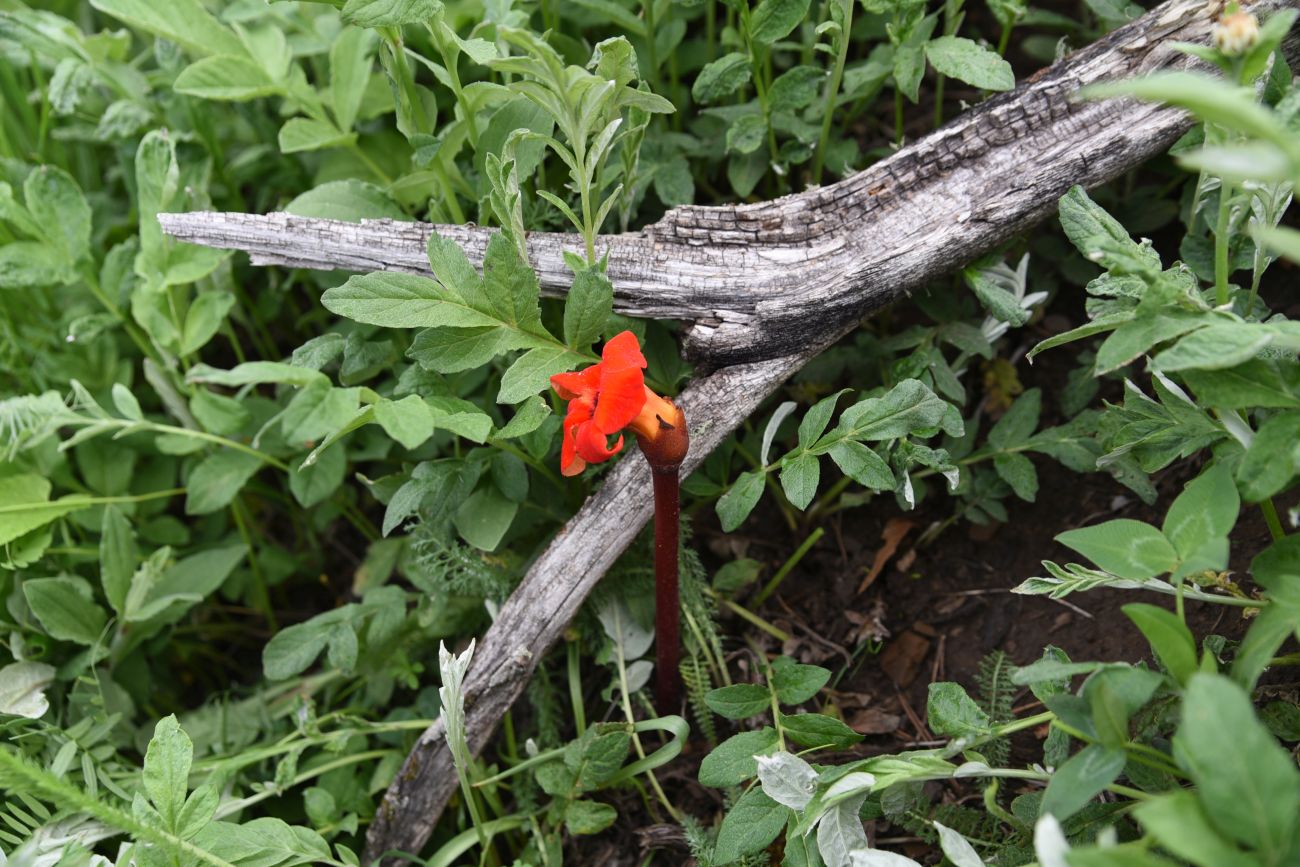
column 606, row 398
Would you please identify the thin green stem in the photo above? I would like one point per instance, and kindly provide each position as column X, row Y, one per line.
column 768, row 589
column 1270, row 517
column 81, row 501
column 832, row 92
column 575, row 687
column 1221, row 239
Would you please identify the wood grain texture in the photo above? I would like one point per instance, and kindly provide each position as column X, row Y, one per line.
column 763, row 288
column 763, row 280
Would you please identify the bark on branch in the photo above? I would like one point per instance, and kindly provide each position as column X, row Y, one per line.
column 764, row 280
column 763, row 287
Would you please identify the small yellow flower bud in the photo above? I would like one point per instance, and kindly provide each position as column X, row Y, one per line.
column 1236, row 33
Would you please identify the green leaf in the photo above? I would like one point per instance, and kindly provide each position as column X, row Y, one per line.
column 395, row 300
column 1265, row 383
column 307, row 134
column 1101, row 238
column 226, row 77
column 863, row 465
column 167, row 769
column 350, row 65
column 999, row 302
column 1180, row 825
column 204, row 318
column 1081, row 779
column 66, row 609
column 532, row 373
column 317, row 411
column 1272, row 460
column 952, row 713
column 57, row 205
column 799, row 478
column 796, row 683
column 587, row 307
column 1170, row 639
column 1017, row 471
column 818, row 731
column 814, row 422
column 24, row 264
column 217, row 479
column 349, row 200
column 312, row 485
column 588, row 817
column 750, row 825
column 738, row 701
column 734, row 506
column 721, row 77
column 1238, row 767
column 1019, row 422
column 908, row 407
column 1215, row 347
column 389, row 13
column 1124, row 547
column 776, row 19
column 732, row 762
column 452, row 350
column 1206, row 509
column 118, row 556
column 409, row 420
column 25, row 505
column 968, row 61
column 256, row 373
column 796, row 88
column 185, row 22
column 747, row 134
column 484, row 518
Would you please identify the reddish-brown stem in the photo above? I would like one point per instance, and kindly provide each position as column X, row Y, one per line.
column 667, row 638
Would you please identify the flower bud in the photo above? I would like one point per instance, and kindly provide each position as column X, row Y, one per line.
column 1236, row 33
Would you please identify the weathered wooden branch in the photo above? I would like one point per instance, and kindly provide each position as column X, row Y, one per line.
column 764, row 280
column 763, row 287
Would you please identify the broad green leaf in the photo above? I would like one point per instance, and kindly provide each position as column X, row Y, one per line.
column 349, row 200
column 587, row 308
column 1240, row 769
column 863, row 465
column 118, row 556
column 1169, row 637
column 1136, row 336
column 1179, row 823
column 65, row 608
column 588, row 817
column 814, row 422
column 1264, row 383
column 738, row 701
column 818, row 731
column 968, row 61
column 734, row 506
column 312, row 485
column 350, row 65
column 484, row 518
column 796, row 683
column 204, row 318
column 317, row 411
column 24, row 264
column 185, row 22
column 256, row 373
column 1019, row 422
column 395, row 300
column 721, row 77
column 750, row 825
column 1101, row 238
column 409, row 420
column 25, row 505
column 950, row 712
column 216, row 481
column 389, row 13
column 55, row 202
column 799, row 478
column 776, row 19
column 906, row 408
column 732, row 762
column 1124, row 547
column 308, row 134
column 226, row 77
column 1206, row 509
column 1017, row 471
column 1272, row 460
column 1081, row 779
column 167, row 769
column 532, row 373
column 796, row 88
column 1215, row 347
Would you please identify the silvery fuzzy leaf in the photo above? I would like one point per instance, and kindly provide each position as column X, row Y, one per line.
column 787, row 779
column 840, row 833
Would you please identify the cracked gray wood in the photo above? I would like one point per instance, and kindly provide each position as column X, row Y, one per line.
column 763, row 287
column 763, row 280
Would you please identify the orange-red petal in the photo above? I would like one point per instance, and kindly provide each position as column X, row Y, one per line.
column 581, row 383
column 579, row 413
column 622, row 384
column 592, row 446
